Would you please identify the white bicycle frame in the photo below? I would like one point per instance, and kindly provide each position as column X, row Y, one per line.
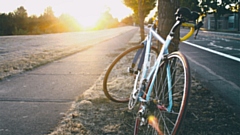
column 153, row 71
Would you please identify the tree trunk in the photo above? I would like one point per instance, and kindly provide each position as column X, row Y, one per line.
column 166, row 19
column 141, row 19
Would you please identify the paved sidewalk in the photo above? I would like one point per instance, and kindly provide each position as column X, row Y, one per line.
column 33, row 102
column 23, row 53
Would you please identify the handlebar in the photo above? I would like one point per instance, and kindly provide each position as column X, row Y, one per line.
column 192, row 27
column 190, row 33
column 183, row 15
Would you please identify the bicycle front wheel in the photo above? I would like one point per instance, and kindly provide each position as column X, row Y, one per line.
column 169, row 121
column 118, row 83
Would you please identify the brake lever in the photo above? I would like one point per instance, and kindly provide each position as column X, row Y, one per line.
column 195, row 36
column 197, row 27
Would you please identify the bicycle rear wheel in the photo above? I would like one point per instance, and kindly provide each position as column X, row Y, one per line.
column 169, row 121
column 118, row 83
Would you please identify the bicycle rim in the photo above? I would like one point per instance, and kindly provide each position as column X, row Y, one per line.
column 169, row 122
column 118, row 83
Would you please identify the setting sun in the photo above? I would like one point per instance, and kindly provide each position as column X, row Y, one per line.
column 56, row 16
column 86, row 12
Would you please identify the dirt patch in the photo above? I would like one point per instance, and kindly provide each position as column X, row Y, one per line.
column 209, row 114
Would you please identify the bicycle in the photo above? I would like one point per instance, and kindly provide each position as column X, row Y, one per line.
column 160, row 83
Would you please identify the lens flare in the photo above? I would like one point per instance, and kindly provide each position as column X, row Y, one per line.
column 152, row 120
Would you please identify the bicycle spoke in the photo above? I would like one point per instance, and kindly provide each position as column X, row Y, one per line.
column 170, row 120
column 118, row 83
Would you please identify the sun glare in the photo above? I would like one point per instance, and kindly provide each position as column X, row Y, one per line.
column 88, row 12
column 87, row 21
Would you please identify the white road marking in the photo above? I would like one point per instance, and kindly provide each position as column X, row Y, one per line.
column 213, row 51
column 213, row 73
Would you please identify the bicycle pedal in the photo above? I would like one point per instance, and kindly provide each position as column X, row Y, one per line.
column 136, row 72
column 141, row 114
column 130, row 70
column 143, row 121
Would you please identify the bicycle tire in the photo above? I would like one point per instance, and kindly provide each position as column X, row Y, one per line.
column 169, row 122
column 117, row 82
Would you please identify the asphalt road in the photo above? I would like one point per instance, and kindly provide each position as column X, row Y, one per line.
column 214, row 59
column 32, row 103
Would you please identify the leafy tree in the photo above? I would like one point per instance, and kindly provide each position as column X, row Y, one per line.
column 20, row 19
column 48, row 12
column 141, row 9
column 128, row 20
column 216, row 7
column 21, row 12
column 106, row 21
column 6, row 23
column 47, row 20
column 67, row 23
column 33, row 27
column 191, row 4
column 18, row 22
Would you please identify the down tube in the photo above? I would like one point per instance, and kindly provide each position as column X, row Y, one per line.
column 163, row 51
column 169, row 78
column 169, row 108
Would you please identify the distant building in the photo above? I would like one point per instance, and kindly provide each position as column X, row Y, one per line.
column 227, row 22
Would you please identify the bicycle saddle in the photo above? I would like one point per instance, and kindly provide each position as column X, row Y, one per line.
column 185, row 13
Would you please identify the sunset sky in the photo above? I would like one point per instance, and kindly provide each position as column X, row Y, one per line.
column 85, row 11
